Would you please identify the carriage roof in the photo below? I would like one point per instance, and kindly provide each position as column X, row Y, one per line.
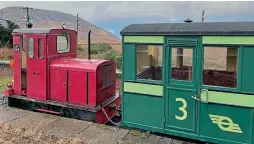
column 195, row 28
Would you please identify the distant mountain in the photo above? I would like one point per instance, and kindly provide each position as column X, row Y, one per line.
column 53, row 19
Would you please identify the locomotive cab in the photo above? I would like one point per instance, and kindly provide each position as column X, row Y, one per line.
column 34, row 50
column 48, row 73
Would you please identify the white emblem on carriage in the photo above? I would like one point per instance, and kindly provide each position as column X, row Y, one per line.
column 225, row 123
column 16, row 47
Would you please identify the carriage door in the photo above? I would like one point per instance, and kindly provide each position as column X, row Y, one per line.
column 181, row 79
column 36, row 67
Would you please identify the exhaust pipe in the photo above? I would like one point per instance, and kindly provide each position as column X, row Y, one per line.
column 89, row 48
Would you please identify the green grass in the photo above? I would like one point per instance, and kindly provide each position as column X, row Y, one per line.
column 4, row 80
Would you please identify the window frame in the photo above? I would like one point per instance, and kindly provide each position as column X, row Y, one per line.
column 38, row 46
column 24, row 37
column 109, row 77
column 28, row 47
column 239, row 69
column 193, row 66
column 68, row 43
column 149, row 81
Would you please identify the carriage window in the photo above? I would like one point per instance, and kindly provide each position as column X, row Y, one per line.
column 30, row 47
column 181, row 63
column 149, row 62
column 220, row 66
column 40, row 48
column 63, row 43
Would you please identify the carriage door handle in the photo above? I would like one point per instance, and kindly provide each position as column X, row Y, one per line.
column 195, row 97
column 198, row 97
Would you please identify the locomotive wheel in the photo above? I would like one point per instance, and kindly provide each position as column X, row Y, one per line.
column 70, row 113
column 39, row 106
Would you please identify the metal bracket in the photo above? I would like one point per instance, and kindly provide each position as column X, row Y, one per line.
column 206, row 95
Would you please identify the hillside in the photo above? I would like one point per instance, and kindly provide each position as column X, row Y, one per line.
column 53, row 19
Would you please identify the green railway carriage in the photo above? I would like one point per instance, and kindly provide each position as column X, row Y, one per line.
column 193, row 80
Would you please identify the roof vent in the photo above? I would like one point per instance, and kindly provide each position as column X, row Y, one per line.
column 188, row 20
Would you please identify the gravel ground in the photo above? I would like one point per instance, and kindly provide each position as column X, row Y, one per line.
column 14, row 135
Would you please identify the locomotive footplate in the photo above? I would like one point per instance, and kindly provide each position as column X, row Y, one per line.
column 81, row 112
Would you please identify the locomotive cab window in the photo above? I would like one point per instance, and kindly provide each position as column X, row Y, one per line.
column 23, row 52
column 149, row 62
column 24, row 43
column 40, row 48
column 220, row 67
column 63, row 43
column 30, row 47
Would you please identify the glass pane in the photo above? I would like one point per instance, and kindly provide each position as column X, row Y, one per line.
column 149, row 62
column 30, row 48
column 220, row 66
column 181, row 63
column 63, row 43
column 24, row 43
column 40, row 48
column 106, row 77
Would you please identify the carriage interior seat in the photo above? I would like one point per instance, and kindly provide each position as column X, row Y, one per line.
column 210, row 77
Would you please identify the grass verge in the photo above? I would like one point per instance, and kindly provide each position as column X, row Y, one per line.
column 4, row 80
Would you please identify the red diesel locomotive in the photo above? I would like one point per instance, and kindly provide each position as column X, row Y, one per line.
column 48, row 77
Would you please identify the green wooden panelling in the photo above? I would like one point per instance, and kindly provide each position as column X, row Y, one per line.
column 180, row 108
column 129, row 62
column 228, row 98
column 181, row 111
column 141, row 88
column 247, row 75
column 143, row 39
column 143, row 110
column 228, row 40
column 230, row 124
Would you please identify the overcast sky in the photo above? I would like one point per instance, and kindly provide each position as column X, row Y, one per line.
column 113, row 16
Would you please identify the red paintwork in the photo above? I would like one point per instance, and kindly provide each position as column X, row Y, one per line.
column 78, row 64
column 58, row 79
column 63, row 77
column 36, row 71
column 96, row 94
column 107, row 92
column 48, row 111
column 52, row 54
column 17, row 65
column 77, row 87
column 8, row 91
